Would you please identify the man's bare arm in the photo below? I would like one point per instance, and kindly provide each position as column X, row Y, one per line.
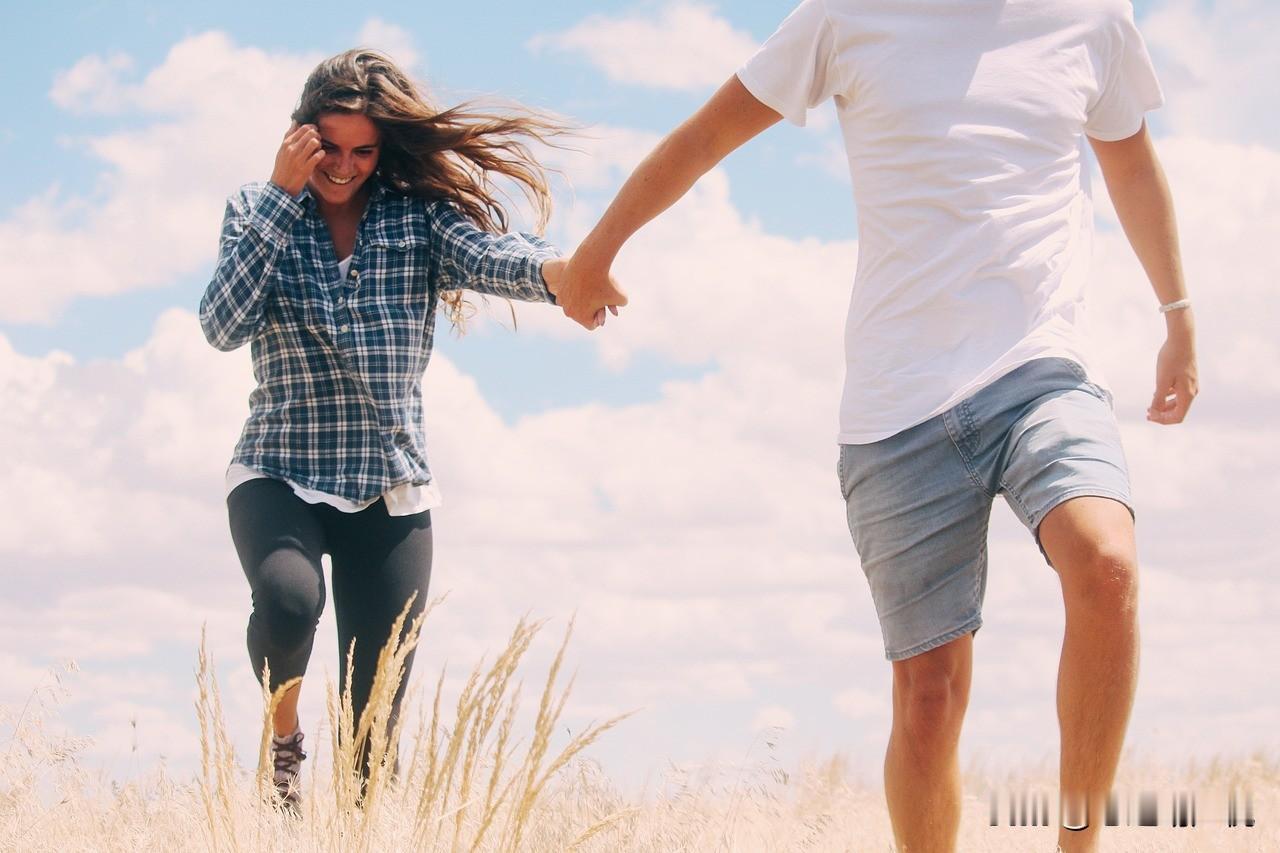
column 1140, row 194
column 729, row 119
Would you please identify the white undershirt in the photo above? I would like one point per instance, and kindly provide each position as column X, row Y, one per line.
column 404, row 499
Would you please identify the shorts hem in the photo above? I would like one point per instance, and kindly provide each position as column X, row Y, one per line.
column 1035, row 519
column 1083, row 492
column 968, row 627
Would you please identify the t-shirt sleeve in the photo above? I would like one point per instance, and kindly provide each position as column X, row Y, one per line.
column 795, row 70
column 1127, row 84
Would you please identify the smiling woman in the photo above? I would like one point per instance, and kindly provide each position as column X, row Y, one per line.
column 370, row 118
column 380, row 210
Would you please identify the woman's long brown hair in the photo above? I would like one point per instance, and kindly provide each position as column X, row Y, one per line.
column 452, row 154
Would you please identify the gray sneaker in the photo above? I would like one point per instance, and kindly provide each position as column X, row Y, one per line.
column 287, row 756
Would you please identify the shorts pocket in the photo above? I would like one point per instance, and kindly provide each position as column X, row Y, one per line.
column 1092, row 387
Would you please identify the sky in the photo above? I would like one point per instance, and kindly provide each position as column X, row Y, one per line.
column 668, row 482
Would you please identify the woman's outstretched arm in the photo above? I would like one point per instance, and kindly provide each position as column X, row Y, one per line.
column 470, row 258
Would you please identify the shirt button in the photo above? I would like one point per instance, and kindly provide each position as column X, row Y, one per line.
column 342, row 300
column 344, row 328
column 355, row 273
column 403, row 243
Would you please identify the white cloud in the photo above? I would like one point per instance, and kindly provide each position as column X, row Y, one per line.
column 153, row 215
column 861, row 704
column 93, row 84
column 392, row 40
column 687, row 46
column 1218, row 67
column 773, row 717
column 699, row 537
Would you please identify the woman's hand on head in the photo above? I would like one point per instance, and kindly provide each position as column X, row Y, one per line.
column 300, row 152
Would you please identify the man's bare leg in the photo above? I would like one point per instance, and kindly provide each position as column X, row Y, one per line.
column 1090, row 542
column 921, row 765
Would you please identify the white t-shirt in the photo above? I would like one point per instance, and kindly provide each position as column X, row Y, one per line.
column 964, row 125
column 404, row 499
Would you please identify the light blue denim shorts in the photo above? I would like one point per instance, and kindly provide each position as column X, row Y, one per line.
column 918, row 502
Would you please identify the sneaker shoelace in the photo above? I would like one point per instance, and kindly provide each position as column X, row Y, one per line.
column 287, row 756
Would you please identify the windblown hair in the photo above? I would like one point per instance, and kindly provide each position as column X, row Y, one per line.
column 451, row 154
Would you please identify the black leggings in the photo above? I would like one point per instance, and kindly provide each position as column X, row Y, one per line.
column 378, row 562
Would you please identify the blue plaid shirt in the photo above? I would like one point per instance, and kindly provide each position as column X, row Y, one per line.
column 339, row 360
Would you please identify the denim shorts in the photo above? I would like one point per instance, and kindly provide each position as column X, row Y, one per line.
column 919, row 501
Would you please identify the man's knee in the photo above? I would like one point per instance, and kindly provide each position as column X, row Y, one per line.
column 1101, row 572
column 931, row 690
column 1090, row 543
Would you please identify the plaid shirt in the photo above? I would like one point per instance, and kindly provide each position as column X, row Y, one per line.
column 339, row 361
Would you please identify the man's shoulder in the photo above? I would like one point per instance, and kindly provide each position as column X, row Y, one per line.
column 1102, row 12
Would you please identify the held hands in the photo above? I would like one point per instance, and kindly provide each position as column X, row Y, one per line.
column 1176, row 380
column 583, row 290
column 299, row 154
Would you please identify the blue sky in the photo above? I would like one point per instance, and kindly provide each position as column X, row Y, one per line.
column 668, row 479
column 764, row 185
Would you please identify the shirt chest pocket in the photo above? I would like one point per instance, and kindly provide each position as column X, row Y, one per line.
column 394, row 274
column 391, row 295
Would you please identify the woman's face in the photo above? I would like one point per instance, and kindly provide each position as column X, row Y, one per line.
column 350, row 143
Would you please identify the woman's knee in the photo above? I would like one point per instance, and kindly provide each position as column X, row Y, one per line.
column 283, row 629
column 285, row 614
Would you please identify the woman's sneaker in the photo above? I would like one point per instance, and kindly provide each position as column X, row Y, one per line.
column 287, row 756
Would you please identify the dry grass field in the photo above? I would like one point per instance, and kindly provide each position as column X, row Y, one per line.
column 471, row 782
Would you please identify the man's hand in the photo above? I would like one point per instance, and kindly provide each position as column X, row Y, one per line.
column 584, row 290
column 1176, row 380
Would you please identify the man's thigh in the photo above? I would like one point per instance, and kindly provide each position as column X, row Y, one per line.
column 1063, row 446
column 919, row 520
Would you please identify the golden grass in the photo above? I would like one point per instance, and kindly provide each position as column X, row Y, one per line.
column 467, row 785
column 473, row 782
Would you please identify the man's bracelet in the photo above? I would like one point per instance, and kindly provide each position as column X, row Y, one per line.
column 1175, row 306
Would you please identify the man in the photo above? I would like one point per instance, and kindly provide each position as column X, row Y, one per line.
column 967, row 373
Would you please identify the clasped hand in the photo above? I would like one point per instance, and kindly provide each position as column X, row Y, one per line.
column 585, row 292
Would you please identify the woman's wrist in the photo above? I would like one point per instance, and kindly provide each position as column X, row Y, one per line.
column 552, row 271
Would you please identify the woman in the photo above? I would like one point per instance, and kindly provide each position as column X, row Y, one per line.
column 378, row 212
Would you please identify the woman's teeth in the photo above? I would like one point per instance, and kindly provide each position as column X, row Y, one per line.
column 338, row 180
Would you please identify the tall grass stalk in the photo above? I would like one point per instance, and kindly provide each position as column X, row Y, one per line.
column 485, row 776
column 471, row 784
